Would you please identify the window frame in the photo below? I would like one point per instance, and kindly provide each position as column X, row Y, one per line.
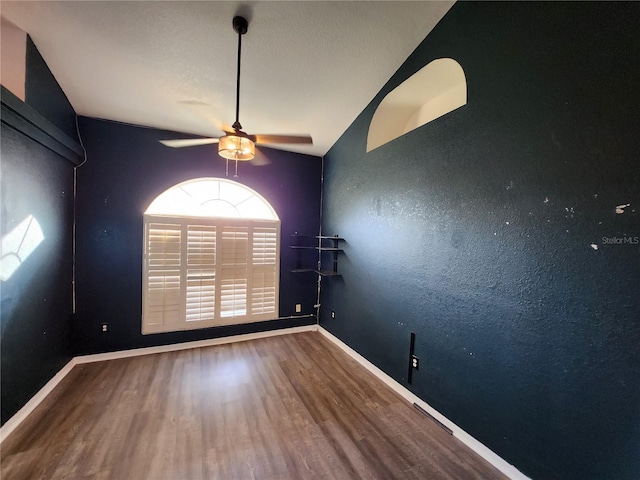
column 220, row 223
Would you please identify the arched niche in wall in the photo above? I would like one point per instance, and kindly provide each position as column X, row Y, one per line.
column 437, row 89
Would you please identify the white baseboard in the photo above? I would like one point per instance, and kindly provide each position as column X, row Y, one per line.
column 19, row 417
column 101, row 357
column 482, row 450
column 505, row 467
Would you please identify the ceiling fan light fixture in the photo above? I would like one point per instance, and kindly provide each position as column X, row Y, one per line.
column 235, row 147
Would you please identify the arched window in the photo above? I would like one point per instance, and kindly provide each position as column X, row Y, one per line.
column 211, row 257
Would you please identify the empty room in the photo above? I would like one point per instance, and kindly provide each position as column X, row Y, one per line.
column 300, row 239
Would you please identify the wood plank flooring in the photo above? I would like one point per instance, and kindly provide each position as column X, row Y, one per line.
column 287, row 407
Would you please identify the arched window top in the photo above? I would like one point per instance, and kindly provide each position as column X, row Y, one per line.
column 437, row 89
column 213, row 198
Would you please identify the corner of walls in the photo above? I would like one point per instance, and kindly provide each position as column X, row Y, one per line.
column 490, row 456
column 44, row 94
column 10, row 425
column 37, row 212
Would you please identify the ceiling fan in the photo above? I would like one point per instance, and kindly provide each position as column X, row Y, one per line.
column 238, row 145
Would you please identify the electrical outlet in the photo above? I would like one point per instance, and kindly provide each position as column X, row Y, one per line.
column 333, row 314
column 105, row 327
column 298, row 307
column 415, row 362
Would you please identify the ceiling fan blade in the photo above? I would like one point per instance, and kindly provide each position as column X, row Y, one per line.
column 188, row 142
column 260, row 159
column 265, row 138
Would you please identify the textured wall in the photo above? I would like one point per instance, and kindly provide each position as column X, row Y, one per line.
column 36, row 299
column 126, row 169
column 35, row 314
column 475, row 231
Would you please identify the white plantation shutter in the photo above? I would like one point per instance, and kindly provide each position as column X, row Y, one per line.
column 164, row 245
column 233, row 292
column 233, row 281
column 263, row 292
column 163, row 298
column 265, row 246
column 163, row 261
column 203, row 272
column 264, row 273
column 201, row 246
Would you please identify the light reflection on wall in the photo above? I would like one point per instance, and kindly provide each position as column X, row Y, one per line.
column 18, row 244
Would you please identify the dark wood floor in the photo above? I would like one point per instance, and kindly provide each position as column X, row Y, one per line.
column 293, row 406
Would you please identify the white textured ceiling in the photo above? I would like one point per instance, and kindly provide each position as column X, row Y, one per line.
column 307, row 67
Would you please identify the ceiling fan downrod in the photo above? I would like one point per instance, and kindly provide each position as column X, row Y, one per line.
column 238, row 145
column 241, row 26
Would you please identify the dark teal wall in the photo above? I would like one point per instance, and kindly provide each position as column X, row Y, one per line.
column 36, row 300
column 126, row 169
column 475, row 232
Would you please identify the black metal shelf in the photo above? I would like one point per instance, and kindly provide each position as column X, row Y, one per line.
column 327, row 273
column 321, row 247
column 324, row 273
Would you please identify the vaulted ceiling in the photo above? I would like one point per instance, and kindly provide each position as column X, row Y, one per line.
column 307, row 67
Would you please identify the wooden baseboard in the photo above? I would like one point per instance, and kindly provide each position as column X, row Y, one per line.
column 482, row 450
